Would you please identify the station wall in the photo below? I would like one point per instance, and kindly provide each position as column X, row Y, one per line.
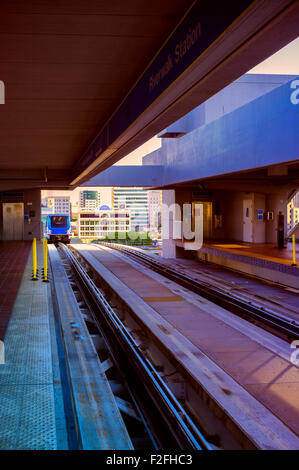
column 276, row 202
column 228, row 217
column 20, row 215
column 169, row 244
column 236, row 136
column 32, row 203
column 233, row 216
column 243, row 90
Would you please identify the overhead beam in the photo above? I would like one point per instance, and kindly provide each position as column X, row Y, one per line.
column 33, row 178
column 139, row 176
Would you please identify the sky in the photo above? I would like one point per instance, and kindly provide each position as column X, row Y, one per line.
column 285, row 61
column 135, row 158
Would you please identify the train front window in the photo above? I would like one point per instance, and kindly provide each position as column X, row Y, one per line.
column 59, row 221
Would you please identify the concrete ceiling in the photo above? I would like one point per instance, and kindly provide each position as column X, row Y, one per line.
column 66, row 66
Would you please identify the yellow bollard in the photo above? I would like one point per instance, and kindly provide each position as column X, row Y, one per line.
column 294, row 250
column 45, row 255
column 34, row 260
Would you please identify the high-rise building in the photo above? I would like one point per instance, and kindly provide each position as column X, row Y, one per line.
column 62, row 205
column 154, row 208
column 89, row 200
column 134, row 200
column 59, row 205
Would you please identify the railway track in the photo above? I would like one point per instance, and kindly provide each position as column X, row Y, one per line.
column 169, row 394
column 168, row 423
column 281, row 326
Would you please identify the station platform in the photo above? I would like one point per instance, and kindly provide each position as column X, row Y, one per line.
column 54, row 394
column 265, row 261
column 249, row 370
column 13, row 259
column 30, row 383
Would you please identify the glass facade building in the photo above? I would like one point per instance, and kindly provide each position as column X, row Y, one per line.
column 134, row 200
column 89, row 200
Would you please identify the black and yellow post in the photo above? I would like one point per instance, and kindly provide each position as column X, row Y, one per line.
column 34, row 261
column 45, row 258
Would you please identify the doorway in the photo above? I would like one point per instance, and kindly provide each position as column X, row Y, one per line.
column 207, row 218
column 13, row 221
column 248, row 220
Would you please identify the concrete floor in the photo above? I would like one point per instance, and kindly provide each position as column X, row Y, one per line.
column 13, row 259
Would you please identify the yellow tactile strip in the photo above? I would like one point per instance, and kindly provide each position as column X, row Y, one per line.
column 252, row 254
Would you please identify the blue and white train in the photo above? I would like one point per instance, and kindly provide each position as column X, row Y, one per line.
column 58, row 228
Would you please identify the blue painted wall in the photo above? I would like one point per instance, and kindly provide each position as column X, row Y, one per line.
column 249, row 124
column 261, row 133
column 247, row 88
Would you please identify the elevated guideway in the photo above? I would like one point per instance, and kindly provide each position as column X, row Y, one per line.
column 61, row 385
column 229, row 368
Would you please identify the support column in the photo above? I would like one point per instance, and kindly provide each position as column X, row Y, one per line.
column 168, row 244
column 32, row 214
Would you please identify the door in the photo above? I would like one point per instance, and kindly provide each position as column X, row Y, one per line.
column 207, row 218
column 13, row 220
column 247, row 220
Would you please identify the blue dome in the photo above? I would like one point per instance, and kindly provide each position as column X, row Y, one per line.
column 105, row 208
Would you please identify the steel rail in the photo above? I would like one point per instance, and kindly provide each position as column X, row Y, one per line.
column 180, row 425
column 281, row 326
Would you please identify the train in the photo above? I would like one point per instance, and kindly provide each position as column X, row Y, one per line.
column 58, row 228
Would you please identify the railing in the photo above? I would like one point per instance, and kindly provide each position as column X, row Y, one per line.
column 34, row 261
column 45, row 258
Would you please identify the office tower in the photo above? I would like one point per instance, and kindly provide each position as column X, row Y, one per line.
column 134, row 200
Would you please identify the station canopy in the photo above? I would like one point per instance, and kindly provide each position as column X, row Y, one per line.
column 88, row 81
